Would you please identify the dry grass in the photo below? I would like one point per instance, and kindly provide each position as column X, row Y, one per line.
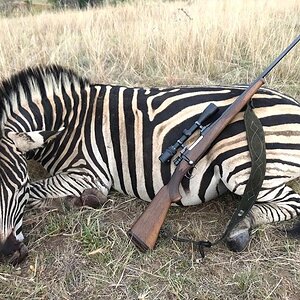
column 160, row 43
column 86, row 254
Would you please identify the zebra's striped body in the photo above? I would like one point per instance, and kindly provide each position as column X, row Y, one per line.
column 112, row 136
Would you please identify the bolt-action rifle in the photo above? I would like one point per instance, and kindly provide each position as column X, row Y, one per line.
column 145, row 230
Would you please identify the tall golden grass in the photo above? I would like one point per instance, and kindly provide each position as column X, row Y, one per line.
column 160, row 43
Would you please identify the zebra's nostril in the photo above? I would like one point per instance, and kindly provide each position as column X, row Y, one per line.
column 11, row 245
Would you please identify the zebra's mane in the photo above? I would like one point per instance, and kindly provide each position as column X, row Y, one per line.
column 35, row 79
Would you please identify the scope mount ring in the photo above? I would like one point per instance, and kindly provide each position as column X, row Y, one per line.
column 184, row 157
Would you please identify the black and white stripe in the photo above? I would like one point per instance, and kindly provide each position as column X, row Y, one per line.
column 113, row 136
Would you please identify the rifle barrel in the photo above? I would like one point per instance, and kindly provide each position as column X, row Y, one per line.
column 280, row 57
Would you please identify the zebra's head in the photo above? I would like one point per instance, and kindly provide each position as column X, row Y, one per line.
column 14, row 188
column 25, row 109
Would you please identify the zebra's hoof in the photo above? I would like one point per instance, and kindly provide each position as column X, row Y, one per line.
column 239, row 241
column 69, row 203
column 19, row 255
column 92, row 198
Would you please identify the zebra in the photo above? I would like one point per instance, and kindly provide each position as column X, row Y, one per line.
column 95, row 137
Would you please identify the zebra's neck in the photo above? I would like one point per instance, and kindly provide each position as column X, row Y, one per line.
column 42, row 99
column 29, row 98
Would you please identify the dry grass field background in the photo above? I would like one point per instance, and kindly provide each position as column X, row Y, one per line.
column 86, row 254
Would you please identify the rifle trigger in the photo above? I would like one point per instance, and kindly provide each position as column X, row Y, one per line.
column 189, row 173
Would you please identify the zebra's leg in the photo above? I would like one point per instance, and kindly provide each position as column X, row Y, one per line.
column 274, row 205
column 72, row 189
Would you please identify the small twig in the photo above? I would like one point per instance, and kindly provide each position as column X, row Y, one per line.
column 181, row 9
column 275, row 287
column 97, row 251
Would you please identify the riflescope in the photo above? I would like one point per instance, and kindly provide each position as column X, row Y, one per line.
column 166, row 156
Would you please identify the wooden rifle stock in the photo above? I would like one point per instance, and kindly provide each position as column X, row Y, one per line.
column 145, row 230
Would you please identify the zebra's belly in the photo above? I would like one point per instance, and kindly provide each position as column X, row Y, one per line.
column 200, row 189
column 203, row 188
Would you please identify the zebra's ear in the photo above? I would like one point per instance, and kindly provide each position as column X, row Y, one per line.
column 26, row 141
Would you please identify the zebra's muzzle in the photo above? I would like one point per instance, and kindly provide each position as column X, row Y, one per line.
column 15, row 250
